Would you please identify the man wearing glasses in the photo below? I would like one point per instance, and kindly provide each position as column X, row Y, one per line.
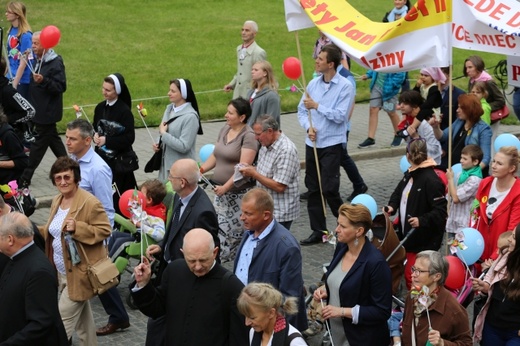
column 192, row 208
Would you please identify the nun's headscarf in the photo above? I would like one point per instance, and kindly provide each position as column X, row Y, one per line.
column 121, row 88
column 434, row 72
column 188, row 94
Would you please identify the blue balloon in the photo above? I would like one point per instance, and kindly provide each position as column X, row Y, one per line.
column 368, row 201
column 457, row 168
column 506, row 140
column 475, row 246
column 206, row 151
column 404, row 164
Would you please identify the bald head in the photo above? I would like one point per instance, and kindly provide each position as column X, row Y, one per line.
column 184, row 175
column 199, row 251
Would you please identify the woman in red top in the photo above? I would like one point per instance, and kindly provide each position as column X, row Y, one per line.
column 499, row 200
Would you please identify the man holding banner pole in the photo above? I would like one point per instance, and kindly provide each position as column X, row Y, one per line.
column 328, row 98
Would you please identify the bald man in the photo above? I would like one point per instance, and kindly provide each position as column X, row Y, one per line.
column 197, row 296
column 191, row 209
column 28, row 288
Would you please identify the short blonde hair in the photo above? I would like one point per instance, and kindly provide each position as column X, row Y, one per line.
column 265, row 297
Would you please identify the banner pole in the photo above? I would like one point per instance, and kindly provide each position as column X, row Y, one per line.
column 310, row 123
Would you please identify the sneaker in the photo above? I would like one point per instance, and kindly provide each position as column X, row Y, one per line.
column 356, row 192
column 367, row 143
column 396, row 142
column 315, row 327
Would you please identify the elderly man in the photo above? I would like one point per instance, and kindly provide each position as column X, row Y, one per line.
column 328, row 100
column 46, row 89
column 278, row 169
column 192, row 209
column 247, row 54
column 197, row 296
column 96, row 178
column 270, row 253
column 28, row 288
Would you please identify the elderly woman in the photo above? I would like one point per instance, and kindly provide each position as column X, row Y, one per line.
column 419, row 198
column 358, row 284
column 78, row 218
column 236, row 144
column 263, row 94
column 115, row 134
column 499, row 200
column 498, row 322
column 446, row 321
column 468, row 128
column 179, row 126
column 265, row 308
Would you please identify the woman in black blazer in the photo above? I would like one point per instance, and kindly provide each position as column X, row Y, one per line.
column 358, row 285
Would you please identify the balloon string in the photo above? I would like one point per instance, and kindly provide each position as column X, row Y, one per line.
column 27, row 62
column 465, row 264
column 41, row 61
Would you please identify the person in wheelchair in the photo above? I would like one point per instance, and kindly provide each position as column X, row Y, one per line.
column 152, row 224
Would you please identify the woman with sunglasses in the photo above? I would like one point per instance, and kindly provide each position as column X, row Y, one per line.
column 498, row 199
column 76, row 217
column 468, row 128
column 420, row 201
column 431, row 313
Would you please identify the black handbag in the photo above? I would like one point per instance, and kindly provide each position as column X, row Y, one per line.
column 154, row 164
column 126, row 162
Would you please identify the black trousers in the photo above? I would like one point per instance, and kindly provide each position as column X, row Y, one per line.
column 329, row 162
column 350, row 168
column 47, row 137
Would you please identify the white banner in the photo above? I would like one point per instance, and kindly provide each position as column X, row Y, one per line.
column 295, row 16
column 487, row 25
column 513, row 70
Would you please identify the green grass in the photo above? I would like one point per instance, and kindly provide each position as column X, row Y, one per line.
column 153, row 41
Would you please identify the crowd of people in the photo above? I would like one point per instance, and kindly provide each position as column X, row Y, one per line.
column 190, row 297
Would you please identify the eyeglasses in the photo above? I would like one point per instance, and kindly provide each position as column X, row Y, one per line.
column 418, row 271
column 259, row 133
column 65, row 177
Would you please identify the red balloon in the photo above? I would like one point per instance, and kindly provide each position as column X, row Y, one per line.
column 50, row 36
column 126, row 200
column 292, row 68
column 456, row 273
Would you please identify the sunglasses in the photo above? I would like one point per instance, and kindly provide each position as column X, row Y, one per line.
column 65, row 177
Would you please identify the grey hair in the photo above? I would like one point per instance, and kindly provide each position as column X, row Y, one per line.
column 438, row 264
column 37, row 33
column 253, row 24
column 85, row 128
column 268, row 122
column 16, row 224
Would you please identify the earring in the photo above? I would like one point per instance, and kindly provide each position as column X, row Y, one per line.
column 356, row 242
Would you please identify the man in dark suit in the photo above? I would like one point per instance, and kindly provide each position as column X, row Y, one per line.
column 191, row 209
column 28, row 288
column 197, row 296
column 269, row 253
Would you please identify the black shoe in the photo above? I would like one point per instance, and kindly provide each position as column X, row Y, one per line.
column 314, row 238
column 367, row 143
column 356, row 192
column 305, row 195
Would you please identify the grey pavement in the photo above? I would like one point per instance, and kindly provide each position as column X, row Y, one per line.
column 378, row 165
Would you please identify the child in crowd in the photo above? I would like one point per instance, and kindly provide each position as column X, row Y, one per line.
column 410, row 104
column 462, row 189
column 400, row 9
column 480, row 90
column 153, row 222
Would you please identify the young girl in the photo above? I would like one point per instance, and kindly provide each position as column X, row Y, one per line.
column 479, row 89
column 263, row 96
column 400, row 9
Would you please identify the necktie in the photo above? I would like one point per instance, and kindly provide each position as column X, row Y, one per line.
column 175, row 222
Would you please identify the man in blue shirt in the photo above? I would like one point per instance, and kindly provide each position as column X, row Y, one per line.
column 96, row 178
column 328, row 99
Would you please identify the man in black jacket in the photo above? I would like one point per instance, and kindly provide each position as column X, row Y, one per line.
column 46, row 89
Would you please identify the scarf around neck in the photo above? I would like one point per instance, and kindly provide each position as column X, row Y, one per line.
column 466, row 173
column 280, row 332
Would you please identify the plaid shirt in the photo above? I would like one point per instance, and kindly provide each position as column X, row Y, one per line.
column 280, row 163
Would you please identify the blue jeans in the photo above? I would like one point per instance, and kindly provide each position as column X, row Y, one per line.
column 492, row 336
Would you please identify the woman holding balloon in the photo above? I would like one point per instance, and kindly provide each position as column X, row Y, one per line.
column 420, row 199
column 432, row 315
column 498, row 322
column 236, row 144
column 179, row 126
column 498, row 199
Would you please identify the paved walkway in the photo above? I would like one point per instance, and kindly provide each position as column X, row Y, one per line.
column 42, row 188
